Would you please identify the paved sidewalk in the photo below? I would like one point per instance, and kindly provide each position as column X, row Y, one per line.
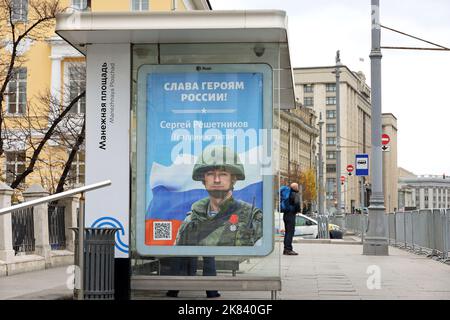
column 340, row 271
column 322, row 271
column 49, row 284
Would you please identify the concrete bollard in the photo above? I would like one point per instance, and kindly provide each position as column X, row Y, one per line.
column 71, row 205
column 41, row 233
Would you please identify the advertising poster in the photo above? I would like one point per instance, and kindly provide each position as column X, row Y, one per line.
column 205, row 141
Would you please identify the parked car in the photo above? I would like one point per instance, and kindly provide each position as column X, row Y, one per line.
column 306, row 227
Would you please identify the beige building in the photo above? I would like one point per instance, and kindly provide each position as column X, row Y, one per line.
column 51, row 64
column 390, row 171
column 316, row 88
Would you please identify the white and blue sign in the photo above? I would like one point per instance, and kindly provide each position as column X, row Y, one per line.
column 362, row 165
column 183, row 111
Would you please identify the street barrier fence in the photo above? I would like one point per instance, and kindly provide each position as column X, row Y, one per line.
column 420, row 231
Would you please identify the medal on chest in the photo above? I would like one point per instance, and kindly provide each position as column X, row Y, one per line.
column 234, row 219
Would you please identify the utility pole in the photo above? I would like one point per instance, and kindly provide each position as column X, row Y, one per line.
column 376, row 241
column 339, row 216
column 362, row 202
column 320, row 184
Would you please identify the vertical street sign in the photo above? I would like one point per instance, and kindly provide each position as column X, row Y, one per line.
column 362, row 164
column 350, row 169
column 385, row 139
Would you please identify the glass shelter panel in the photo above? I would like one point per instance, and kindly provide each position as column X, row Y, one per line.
column 205, row 157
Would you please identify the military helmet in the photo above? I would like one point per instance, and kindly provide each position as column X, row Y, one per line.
column 218, row 157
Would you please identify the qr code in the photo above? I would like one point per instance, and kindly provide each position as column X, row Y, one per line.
column 162, row 230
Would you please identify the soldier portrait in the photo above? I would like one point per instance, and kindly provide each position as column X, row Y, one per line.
column 220, row 219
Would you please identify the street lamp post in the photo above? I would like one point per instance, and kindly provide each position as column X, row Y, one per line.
column 376, row 241
column 320, row 184
column 339, row 216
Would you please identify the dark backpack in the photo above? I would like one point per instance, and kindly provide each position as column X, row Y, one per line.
column 285, row 205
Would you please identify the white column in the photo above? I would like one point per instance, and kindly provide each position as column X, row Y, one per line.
column 6, row 248
column 413, row 200
column 446, row 198
column 430, row 198
column 56, row 88
column 40, row 216
column 71, row 205
column 421, row 198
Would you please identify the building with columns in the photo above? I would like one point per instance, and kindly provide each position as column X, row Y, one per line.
column 52, row 65
column 423, row 191
column 298, row 135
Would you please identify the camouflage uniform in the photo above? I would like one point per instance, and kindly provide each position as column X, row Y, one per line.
column 231, row 226
column 199, row 229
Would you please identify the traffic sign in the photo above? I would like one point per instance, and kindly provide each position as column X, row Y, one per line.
column 350, row 168
column 342, row 179
column 385, row 139
column 362, row 164
column 386, row 148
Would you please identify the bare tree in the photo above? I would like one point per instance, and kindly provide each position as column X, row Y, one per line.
column 73, row 152
column 28, row 125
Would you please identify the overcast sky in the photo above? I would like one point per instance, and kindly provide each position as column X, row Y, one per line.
column 415, row 84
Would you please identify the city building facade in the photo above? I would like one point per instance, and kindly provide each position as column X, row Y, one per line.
column 51, row 65
column 316, row 88
column 422, row 191
column 390, row 172
column 298, row 134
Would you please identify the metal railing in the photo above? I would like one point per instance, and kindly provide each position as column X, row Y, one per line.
column 62, row 195
column 22, row 222
column 420, row 231
column 56, row 227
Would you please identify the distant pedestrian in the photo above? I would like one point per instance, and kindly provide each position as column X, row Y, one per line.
column 290, row 205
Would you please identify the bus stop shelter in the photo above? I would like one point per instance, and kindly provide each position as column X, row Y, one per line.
column 117, row 47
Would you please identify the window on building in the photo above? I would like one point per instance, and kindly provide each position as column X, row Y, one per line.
column 331, row 155
column 330, row 87
column 77, row 84
column 15, row 164
column 331, row 128
column 331, row 114
column 331, row 141
column 19, row 10
column 308, row 88
column 331, row 184
column 79, row 4
column 308, row 101
column 330, row 101
column 77, row 169
column 139, row 5
column 331, row 168
column 17, row 92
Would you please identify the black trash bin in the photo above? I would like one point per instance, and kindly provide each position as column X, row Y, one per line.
column 98, row 263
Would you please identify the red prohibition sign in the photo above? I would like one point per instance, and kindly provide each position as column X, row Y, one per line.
column 350, row 168
column 385, row 139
